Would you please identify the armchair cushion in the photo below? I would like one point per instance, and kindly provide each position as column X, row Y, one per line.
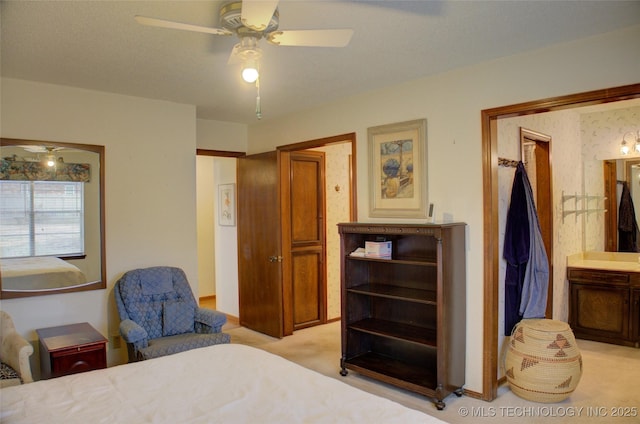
column 157, row 280
column 178, row 318
column 163, row 346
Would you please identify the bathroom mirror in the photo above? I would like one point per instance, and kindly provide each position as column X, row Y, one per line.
column 605, row 167
column 617, row 171
column 51, row 218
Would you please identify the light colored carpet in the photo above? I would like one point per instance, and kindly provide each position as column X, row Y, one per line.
column 609, row 385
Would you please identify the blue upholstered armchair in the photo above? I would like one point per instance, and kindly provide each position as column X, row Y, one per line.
column 159, row 315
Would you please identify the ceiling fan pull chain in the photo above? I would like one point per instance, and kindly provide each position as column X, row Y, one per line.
column 258, row 108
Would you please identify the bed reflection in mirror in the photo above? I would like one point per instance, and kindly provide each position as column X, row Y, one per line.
column 51, row 217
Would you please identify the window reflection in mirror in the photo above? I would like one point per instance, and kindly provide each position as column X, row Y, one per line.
column 51, row 218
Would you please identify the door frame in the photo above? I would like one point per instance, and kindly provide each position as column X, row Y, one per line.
column 489, row 120
column 283, row 151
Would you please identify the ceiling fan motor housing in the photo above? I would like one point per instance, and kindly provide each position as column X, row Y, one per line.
column 231, row 19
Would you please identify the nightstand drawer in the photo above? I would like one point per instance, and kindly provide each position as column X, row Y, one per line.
column 71, row 349
column 78, row 359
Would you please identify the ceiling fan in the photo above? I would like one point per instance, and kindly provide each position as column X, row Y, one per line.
column 48, row 151
column 252, row 20
column 41, row 149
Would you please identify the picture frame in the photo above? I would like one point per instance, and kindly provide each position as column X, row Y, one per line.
column 227, row 204
column 398, row 170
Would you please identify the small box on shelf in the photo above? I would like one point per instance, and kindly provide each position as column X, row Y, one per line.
column 377, row 249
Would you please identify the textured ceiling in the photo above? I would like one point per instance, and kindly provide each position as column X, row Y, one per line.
column 98, row 45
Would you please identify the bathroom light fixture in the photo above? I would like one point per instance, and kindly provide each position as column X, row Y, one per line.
column 624, row 147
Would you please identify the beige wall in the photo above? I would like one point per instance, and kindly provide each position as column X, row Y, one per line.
column 150, row 190
column 451, row 103
column 206, row 199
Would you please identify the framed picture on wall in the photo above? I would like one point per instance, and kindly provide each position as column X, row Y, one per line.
column 398, row 170
column 227, row 204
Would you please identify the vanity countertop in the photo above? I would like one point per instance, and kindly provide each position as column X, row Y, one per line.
column 612, row 261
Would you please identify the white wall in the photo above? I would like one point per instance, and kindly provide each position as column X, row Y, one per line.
column 226, row 245
column 150, row 190
column 451, row 103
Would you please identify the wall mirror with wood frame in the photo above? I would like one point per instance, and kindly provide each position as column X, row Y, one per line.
column 605, row 168
column 51, row 218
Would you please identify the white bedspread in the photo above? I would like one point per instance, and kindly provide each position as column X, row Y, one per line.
column 229, row 383
column 38, row 273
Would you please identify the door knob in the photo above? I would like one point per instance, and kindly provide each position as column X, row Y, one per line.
column 275, row 258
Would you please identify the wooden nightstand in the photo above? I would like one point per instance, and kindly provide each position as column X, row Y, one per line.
column 69, row 349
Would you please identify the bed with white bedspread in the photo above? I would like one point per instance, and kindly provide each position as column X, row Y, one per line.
column 39, row 273
column 228, row 383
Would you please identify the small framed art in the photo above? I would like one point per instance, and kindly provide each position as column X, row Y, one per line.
column 227, row 204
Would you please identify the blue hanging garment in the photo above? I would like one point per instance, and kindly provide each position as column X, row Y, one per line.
column 527, row 273
column 515, row 251
column 533, row 303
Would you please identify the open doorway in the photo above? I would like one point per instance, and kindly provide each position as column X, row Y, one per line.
column 490, row 119
column 216, row 262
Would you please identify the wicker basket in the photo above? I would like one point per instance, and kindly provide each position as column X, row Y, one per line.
column 543, row 362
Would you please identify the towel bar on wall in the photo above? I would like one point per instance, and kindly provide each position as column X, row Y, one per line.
column 583, row 201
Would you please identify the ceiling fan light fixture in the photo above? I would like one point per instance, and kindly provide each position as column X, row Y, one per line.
column 50, row 161
column 250, row 71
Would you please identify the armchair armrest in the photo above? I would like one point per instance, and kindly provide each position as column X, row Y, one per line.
column 16, row 351
column 209, row 321
column 132, row 332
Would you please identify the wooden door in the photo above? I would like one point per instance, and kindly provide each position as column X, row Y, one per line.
column 259, row 258
column 303, row 239
column 536, row 153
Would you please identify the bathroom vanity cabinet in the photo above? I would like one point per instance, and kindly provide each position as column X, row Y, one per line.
column 604, row 303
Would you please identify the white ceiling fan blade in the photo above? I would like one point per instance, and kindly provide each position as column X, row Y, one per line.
column 312, row 38
column 256, row 14
column 41, row 149
column 144, row 20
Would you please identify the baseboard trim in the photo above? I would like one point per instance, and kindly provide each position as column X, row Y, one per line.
column 212, row 297
column 233, row 320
